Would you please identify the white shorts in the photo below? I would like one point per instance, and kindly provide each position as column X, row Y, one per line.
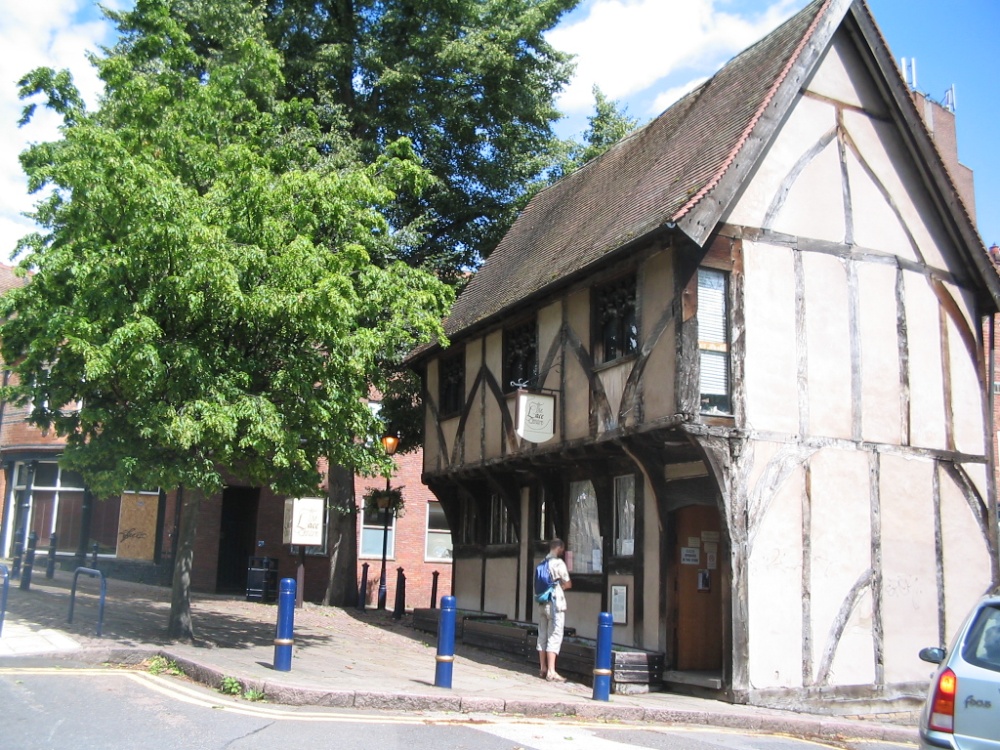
column 550, row 628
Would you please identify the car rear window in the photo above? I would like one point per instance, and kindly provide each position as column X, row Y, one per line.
column 982, row 646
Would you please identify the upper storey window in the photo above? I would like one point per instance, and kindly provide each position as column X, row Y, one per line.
column 451, row 396
column 616, row 329
column 713, row 341
column 520, row 356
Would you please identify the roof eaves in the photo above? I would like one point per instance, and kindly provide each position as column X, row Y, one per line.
column 699, row 215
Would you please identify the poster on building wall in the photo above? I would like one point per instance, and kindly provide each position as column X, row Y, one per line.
column 536, row 416
column 303, row 522
column 690, row 556
column 137, row 526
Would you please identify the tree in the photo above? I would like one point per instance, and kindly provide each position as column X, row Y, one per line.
column 608, row 125
column 214, row 284
column 471, row 83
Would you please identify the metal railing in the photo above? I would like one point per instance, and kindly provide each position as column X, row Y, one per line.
column 104, row 590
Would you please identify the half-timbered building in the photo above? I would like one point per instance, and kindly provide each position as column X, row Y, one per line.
column 736, row 363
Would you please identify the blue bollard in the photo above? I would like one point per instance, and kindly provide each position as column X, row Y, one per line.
column 602, row 657
column 284, row 631
column 446, row 643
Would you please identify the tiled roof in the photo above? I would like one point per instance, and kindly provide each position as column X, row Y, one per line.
column 651, row 178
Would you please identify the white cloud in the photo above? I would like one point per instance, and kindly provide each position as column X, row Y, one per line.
column 671, row 95
column 628, row 46
column 34, row 33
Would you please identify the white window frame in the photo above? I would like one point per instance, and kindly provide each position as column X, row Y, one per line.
column 428, row 531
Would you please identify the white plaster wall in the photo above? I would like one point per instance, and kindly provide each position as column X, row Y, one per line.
column 909, row 589
column 582, row 610
column 658, row 397
column 576, row 393
column 882, row 149
column 652, row 633
column 966, row 392
column 472, row 432
column 828, row 345
column 501, row 583
column 876, row 225
column 814, row 206
column 433, row 459
column 770, row 366
column 881, row 418
column 966, row 555
column 465, row 579
column 843, row 76
column 775, row 583
column 841, row 542
column 806, row 124
column 492, row 412
column 923, row 324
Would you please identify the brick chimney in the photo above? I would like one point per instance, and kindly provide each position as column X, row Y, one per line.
column 941, row 124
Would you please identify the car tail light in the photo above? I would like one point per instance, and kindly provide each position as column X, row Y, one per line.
column 943, row 707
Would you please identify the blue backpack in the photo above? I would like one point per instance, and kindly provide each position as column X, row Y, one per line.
column 544, row 584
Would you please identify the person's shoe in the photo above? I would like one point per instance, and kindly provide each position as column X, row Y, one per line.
column 553, row 677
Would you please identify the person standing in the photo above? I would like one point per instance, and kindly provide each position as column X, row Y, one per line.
column 552, row 614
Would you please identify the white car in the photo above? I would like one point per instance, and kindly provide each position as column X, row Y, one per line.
column 962, row 710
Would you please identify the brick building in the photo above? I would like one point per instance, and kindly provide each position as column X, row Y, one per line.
column 135, row 534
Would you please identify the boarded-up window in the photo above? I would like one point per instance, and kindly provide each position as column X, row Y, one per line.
column 625, row 515
column 713, row 341
column 584, row 529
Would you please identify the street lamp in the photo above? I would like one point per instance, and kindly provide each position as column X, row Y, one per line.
column 390, row 443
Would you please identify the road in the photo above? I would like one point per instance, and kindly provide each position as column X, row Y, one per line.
column 52, row 708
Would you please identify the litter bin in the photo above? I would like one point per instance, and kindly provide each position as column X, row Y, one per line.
column 262, row 579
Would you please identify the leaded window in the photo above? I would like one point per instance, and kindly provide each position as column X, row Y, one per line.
column 520, row 356
column 452, row 384
column 616, row 326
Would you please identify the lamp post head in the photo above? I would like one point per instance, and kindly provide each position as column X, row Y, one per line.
column 390, row 442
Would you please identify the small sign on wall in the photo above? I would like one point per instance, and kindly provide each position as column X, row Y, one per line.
column 690, row 556
column 619, row 605
column 303, row 522
column 536, row 416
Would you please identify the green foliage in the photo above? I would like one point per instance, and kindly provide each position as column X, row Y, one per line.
column 230, row 686
column 253, row 695
column 471, row 83
column 161, row 665
column 216, row 284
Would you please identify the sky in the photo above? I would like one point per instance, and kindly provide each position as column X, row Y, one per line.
column 642, row 53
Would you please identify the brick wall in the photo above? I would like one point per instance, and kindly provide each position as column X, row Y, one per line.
column 410, row 539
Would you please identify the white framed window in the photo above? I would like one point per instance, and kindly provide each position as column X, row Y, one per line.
column 625, row 515
column 585, row 542
column 374, row 529
column 713, row 341
column 438, row 543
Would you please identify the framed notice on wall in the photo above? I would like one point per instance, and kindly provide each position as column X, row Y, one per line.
column 619, row 605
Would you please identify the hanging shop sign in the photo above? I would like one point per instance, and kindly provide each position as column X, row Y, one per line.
column 303, row 521
column 536, row 416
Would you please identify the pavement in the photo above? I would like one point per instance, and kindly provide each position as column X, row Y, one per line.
column 351, row 659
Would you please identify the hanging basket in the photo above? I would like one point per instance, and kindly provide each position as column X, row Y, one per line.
column 376, row 499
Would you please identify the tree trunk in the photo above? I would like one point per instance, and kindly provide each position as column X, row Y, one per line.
column 180, row 597
column 342, row 584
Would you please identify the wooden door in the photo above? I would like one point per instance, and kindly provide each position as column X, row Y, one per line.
column 697, row 595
